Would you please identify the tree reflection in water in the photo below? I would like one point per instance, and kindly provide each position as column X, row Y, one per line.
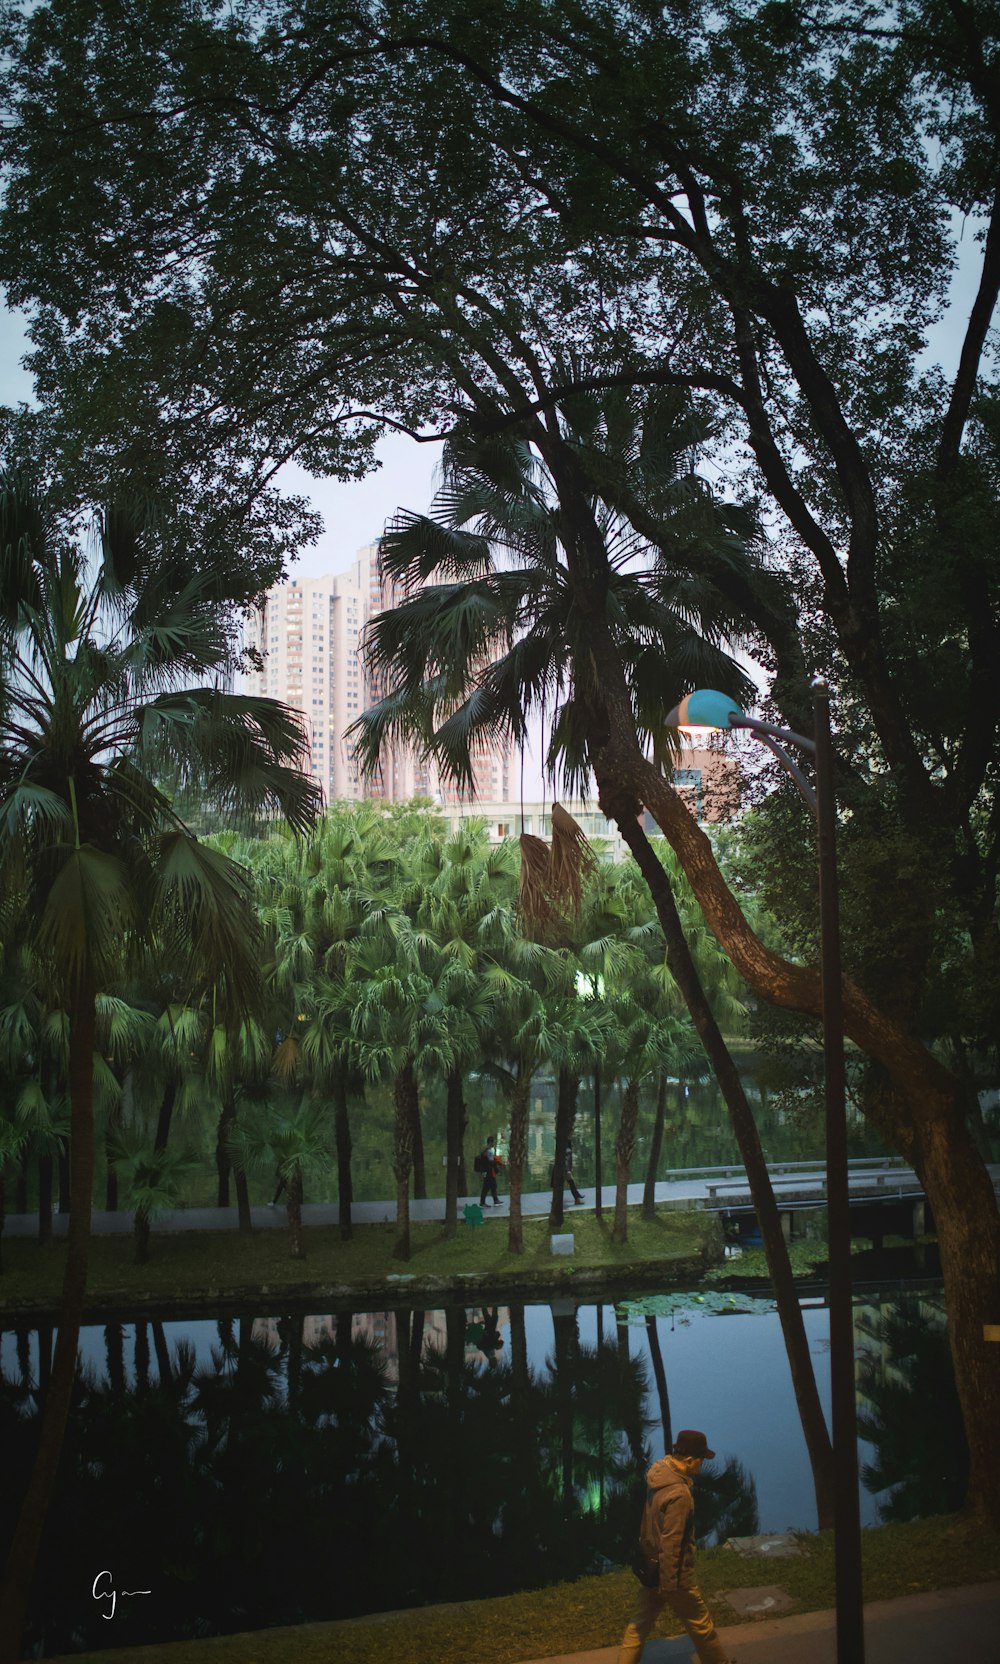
column 909, row 1410
column 305, row 1468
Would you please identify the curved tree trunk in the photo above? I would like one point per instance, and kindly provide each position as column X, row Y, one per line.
column 403, row 1091
column 342, row 1138
column 655, row 1146
column 18, row 1572
column 624, row 1151
column 517, row 1156
column 683, row 970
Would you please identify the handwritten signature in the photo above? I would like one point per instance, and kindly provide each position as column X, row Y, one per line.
column 111, row 1594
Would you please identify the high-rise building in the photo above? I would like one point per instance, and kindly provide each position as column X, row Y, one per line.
column 309, row 636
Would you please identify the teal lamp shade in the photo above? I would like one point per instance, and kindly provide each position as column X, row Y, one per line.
column 705, row 708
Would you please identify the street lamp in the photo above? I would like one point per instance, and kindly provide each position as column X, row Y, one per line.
column 707, row 708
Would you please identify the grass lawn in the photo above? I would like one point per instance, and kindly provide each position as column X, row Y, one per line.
column 898, row 1560
column 186, row 1265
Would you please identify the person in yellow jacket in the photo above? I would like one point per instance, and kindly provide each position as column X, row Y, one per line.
column 665, row 1562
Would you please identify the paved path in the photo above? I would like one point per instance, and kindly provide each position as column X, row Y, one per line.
column 680, row 1194
column 949, row 1626
column 712, row 1188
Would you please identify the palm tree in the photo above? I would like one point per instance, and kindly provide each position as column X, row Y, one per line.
column 289, row 1135
column 569, row 565
column 12, row 1141
column 153, row 1178
column 466, row 886
column 111, row 672
column 645, row 1046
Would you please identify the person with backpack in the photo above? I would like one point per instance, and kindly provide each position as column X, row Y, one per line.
column 664, row 1563
column 488, row 1163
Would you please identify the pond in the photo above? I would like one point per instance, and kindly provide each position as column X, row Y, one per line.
column 271, row 1467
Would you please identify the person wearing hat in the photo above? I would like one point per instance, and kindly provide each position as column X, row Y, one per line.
column 665, row 1561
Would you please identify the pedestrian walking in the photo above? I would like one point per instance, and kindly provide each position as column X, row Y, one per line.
column 489, row 1165
column 568, row 1178
column 664, row 1563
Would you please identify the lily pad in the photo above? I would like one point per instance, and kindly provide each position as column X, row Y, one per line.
column 635, row 1312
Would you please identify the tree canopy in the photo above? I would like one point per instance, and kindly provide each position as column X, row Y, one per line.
column 268, row 233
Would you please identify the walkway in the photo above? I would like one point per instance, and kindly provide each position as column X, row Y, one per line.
column 716, row 1189
column 947, row 1626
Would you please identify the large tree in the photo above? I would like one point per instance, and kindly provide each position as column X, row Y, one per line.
column 97, row 657
column 485, row 214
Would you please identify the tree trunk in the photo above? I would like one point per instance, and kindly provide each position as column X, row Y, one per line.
column 598, row 1206
column 660, row 1377
column 517, row 1156
column 65, row 1178
column 656, row 1145
column 163, row 1365
column 404, row 1088
column 417, row 1144
column 111, row 1131
column 682, row 968
column 18, row 1572
column 242, row 1201
column 140, row 1236
column 624, row 1151
column 142, row 1356
column 114, row 1346
column 166, row 1113
column 295, row 1213
column 566, row 1091
column 223, row 1166
column 453, row 1149
column 960, row 1192
column 44, row 1200
column 342, row 1138
column 21, row 1189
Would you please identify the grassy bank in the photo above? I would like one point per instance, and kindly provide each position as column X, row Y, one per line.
column 898, row 1560
column 194, row 1265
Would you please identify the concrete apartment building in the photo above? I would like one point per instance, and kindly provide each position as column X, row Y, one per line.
column 309, row 635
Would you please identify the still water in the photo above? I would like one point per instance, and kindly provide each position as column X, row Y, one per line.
column 272, row 1468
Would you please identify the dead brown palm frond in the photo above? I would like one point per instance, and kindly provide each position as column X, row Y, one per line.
column 572, row 859
column 285, row 1062
column 535, row 887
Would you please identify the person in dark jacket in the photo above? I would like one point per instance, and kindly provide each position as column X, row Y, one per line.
column 568, row 1178
column 665, row 1563
column 490, row 1171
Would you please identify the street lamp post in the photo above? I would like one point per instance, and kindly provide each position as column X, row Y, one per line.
column 708, row 708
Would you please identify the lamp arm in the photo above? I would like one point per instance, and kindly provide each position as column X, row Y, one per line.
column 790, row 767
column 762, row 728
